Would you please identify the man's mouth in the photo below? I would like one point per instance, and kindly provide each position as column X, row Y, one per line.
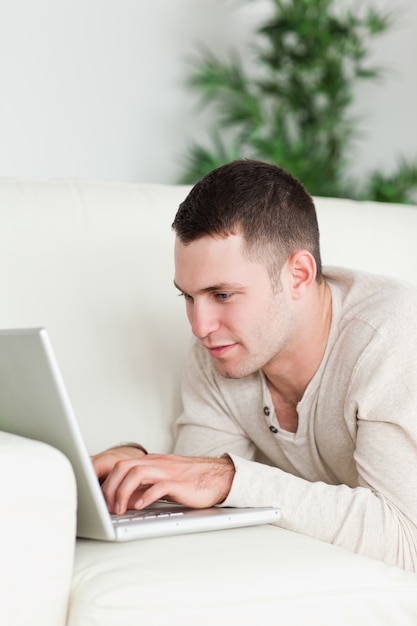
column 219, row 351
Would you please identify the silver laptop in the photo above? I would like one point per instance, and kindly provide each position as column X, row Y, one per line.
column 34, row 403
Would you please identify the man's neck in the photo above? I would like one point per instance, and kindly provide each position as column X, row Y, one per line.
column 288, row 376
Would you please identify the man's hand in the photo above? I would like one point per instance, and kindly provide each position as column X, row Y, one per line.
column 135, row 483
column 105, row 461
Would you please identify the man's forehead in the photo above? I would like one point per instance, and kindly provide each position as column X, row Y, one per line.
column 213, row 264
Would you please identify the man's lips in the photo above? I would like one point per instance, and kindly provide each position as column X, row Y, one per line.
column 218, row 351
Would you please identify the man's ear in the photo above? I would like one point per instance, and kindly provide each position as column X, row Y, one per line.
column 302, row 272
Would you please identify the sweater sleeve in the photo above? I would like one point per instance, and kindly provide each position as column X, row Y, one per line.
column 356, row 519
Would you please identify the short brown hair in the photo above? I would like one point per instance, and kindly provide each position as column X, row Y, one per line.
column 264, row 203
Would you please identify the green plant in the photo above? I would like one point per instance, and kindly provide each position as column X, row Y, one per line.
column 296, row 109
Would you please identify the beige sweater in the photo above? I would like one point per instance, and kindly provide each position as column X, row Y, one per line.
column 348, row 476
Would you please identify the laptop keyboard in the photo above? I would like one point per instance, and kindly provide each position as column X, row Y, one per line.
column 144, row 515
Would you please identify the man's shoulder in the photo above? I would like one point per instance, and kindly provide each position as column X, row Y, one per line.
column 358, row 284
column 382, row 301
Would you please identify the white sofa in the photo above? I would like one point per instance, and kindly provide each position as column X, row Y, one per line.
column 93, row 263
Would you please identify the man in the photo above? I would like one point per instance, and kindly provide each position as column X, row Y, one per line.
column 301, row 388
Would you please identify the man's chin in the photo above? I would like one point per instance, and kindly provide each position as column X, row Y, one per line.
column 228, row 371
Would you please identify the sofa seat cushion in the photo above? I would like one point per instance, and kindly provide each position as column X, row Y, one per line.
column 238, row 576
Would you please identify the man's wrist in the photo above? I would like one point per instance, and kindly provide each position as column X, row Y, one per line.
column 130, row 444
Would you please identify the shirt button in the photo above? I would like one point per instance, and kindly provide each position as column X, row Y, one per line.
column 267, row 410
column 273, row 429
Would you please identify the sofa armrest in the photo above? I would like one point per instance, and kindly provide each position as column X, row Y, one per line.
column 37, row 532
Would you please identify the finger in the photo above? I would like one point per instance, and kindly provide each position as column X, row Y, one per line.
column 104, row 461
column 136, row 497
column 139, row 476
column 112, row 482
column 126, row 477
column 151, row 494
column 102, row 464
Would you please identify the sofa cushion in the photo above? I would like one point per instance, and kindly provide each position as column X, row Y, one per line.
column 239, row 576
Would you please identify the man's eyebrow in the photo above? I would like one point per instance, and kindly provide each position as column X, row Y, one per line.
column 219, row 287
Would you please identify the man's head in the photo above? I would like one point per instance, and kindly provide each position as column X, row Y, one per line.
column 263, row 203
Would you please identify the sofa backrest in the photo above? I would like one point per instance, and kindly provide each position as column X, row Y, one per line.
column 373, row 236
column 93, row 263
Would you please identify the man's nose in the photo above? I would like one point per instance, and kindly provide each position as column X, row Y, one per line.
column 203, row 319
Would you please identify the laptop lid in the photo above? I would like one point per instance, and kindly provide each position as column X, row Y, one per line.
column 34, row 403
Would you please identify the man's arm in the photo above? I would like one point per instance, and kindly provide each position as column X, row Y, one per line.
column 373, row 513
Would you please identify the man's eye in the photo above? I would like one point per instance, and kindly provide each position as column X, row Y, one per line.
column 185, row 295
column 224, row 295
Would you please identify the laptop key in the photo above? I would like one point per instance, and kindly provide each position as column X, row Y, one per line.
column 133, row 516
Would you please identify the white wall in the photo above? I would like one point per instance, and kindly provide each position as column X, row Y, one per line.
column 96, row 88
